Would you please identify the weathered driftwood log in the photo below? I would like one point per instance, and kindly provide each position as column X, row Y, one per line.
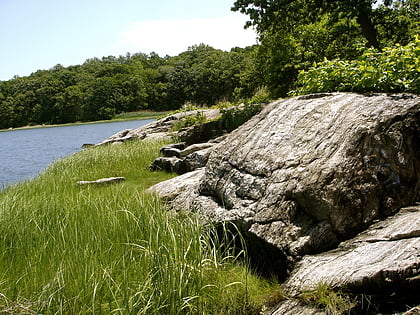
column 102, row 181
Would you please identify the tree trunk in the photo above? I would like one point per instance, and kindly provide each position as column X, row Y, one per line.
column 368, row 29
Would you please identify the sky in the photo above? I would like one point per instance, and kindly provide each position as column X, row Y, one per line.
column 39, row 34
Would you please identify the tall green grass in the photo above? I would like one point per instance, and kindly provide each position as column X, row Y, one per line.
column 144, row 114
column 69, row 249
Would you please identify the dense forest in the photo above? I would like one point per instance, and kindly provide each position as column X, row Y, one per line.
column 305, row 46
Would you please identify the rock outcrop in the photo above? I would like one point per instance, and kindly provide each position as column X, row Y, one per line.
column 163, row 128
column 180, row 159
column 383, row 261
column 310, row 173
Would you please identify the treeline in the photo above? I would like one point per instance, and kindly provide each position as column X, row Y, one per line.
column 305, row 46
column 101, row 88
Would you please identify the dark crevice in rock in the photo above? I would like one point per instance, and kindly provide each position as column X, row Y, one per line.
column 314, row 96
column 264, row 258
column 392, row 303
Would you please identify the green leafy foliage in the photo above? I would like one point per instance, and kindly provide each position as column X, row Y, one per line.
column 392, row 70
column 294, row 35
column 192, row 120
column 298, row 33
column 234, row 116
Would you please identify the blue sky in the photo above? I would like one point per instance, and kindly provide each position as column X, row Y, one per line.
column 38, row 34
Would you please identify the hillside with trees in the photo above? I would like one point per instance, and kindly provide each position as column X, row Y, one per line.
column 305, row 46
column 101, row 88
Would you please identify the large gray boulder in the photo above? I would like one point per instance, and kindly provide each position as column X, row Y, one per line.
column 309, row 172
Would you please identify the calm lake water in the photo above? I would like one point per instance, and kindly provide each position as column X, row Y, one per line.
column 27, row 152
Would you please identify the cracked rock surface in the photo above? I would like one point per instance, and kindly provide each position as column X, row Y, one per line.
column 386, row 257
column 309, row 172
column 316, row 185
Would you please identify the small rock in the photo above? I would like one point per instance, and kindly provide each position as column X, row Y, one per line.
column 195, row 147
column 169, row 164
column 172, row 149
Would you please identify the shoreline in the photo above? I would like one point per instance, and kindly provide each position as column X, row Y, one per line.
column 142, row 115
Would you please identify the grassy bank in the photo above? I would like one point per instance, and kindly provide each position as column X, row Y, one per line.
column 146, row 114
column 75, row 249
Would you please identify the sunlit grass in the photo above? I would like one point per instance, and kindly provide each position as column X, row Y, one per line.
column 145, row 114
column 325, row 297
column 73, row 249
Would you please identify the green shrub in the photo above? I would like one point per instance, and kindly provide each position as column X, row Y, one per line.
column 392, row 70
column 261, row 96
column 187, row 121
column 234, row 116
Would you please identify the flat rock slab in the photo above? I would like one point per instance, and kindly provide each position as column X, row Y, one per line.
column 384, row 258
column 102, row 181
column 179, row 190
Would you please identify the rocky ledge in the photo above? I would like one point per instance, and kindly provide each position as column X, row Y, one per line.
column 164, row 129
column 316, row 185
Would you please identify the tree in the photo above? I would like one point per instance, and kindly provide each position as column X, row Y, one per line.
column 296, row 33
column 283, row 14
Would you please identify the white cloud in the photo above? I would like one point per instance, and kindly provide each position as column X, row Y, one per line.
column 171, row 37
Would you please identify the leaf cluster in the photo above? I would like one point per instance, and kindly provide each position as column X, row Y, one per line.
column 192, row 120
column 295, row 34
column 392, row 70
column 234, row 116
